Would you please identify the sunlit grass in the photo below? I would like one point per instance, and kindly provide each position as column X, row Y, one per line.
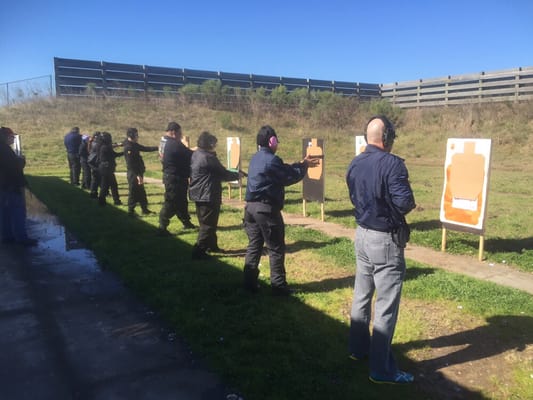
column 268, row 347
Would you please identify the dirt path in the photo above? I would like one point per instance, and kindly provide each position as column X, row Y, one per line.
column 493, row 272
column 497, row 273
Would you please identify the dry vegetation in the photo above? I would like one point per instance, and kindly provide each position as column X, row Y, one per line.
column 420, row 131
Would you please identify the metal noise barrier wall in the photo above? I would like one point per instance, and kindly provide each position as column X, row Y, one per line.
column 82, row 78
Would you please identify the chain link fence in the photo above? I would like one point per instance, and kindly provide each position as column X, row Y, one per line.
column 26, row 89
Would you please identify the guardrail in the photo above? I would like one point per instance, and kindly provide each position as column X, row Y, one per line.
column 507, row 85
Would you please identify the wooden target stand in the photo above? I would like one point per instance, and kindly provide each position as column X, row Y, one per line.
column 304, row 204
column 465, row 192
column 314, row 181
column 233, row 145
column 481, row 248
column 236, row 185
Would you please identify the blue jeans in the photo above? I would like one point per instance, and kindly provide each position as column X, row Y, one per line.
column 380, row 269
column 13, row 215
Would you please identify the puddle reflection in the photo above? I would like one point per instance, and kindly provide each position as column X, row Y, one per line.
column 54, row 238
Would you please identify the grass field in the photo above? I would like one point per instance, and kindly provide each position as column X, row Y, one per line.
column 461, row 337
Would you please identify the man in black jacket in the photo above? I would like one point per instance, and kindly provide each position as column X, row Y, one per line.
column 83, row 153
column 207, row 174
column 136, row 169
column 12, row 192
column 72, row 141
column 176, row 172
column 106, row 169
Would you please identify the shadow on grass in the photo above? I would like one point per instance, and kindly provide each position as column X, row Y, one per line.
column 501, row 334
column 500, row 245
column 426, row 225
column 415, row 273
column 268, row 347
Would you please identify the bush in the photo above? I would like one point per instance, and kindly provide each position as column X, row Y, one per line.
column 384, row 107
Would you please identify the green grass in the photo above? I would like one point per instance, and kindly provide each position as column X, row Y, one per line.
column 267, row 347
column 296, row 348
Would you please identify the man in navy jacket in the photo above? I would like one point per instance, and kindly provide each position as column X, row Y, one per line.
column 263, row 222
column 379, row 188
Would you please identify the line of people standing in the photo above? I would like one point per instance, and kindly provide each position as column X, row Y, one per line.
column 96, row 161
column 379, row 190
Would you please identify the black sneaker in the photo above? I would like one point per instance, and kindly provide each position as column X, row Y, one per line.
column 200, row 255
column 188, row 225
column 252, row 288
column 148, row 212
column 117, row 202
column 163, row 232
column 282, row 291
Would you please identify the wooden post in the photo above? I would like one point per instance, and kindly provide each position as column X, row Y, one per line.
column 443, row 242
column 481, row 247
column 322, row 211
column 304, row 208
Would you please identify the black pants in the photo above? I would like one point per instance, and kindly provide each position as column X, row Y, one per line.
column 108, row 182
column 264, row 225
column 175, row 202
column 74, row 167
column 137, row 193
column 85, row 174
column 207, row 214
column 95, row 182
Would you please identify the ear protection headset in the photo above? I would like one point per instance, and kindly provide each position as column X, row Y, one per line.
column 273, row 143
column 266, row 137
column 389, row 134
column 132, row 133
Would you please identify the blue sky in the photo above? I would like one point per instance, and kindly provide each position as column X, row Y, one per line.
column 345, row 40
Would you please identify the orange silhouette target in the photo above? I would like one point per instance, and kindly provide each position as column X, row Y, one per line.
column 466, row 183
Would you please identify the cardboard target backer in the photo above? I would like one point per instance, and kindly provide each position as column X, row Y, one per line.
column 314, row 182
column 233, row 151
column 17, row 145
column 466, row 181
column 360, row 144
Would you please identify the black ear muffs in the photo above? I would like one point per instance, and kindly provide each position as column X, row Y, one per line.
column 388, row 135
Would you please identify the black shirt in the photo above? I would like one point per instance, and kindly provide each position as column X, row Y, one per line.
column 132, row 154
column 176, row 159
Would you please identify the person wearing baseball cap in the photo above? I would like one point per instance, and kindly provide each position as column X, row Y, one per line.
column 12, row 192
column 176, row 160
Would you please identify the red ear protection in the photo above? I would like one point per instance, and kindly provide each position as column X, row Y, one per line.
column 273, row 143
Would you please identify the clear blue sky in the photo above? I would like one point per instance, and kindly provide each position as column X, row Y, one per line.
column 346, row 40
